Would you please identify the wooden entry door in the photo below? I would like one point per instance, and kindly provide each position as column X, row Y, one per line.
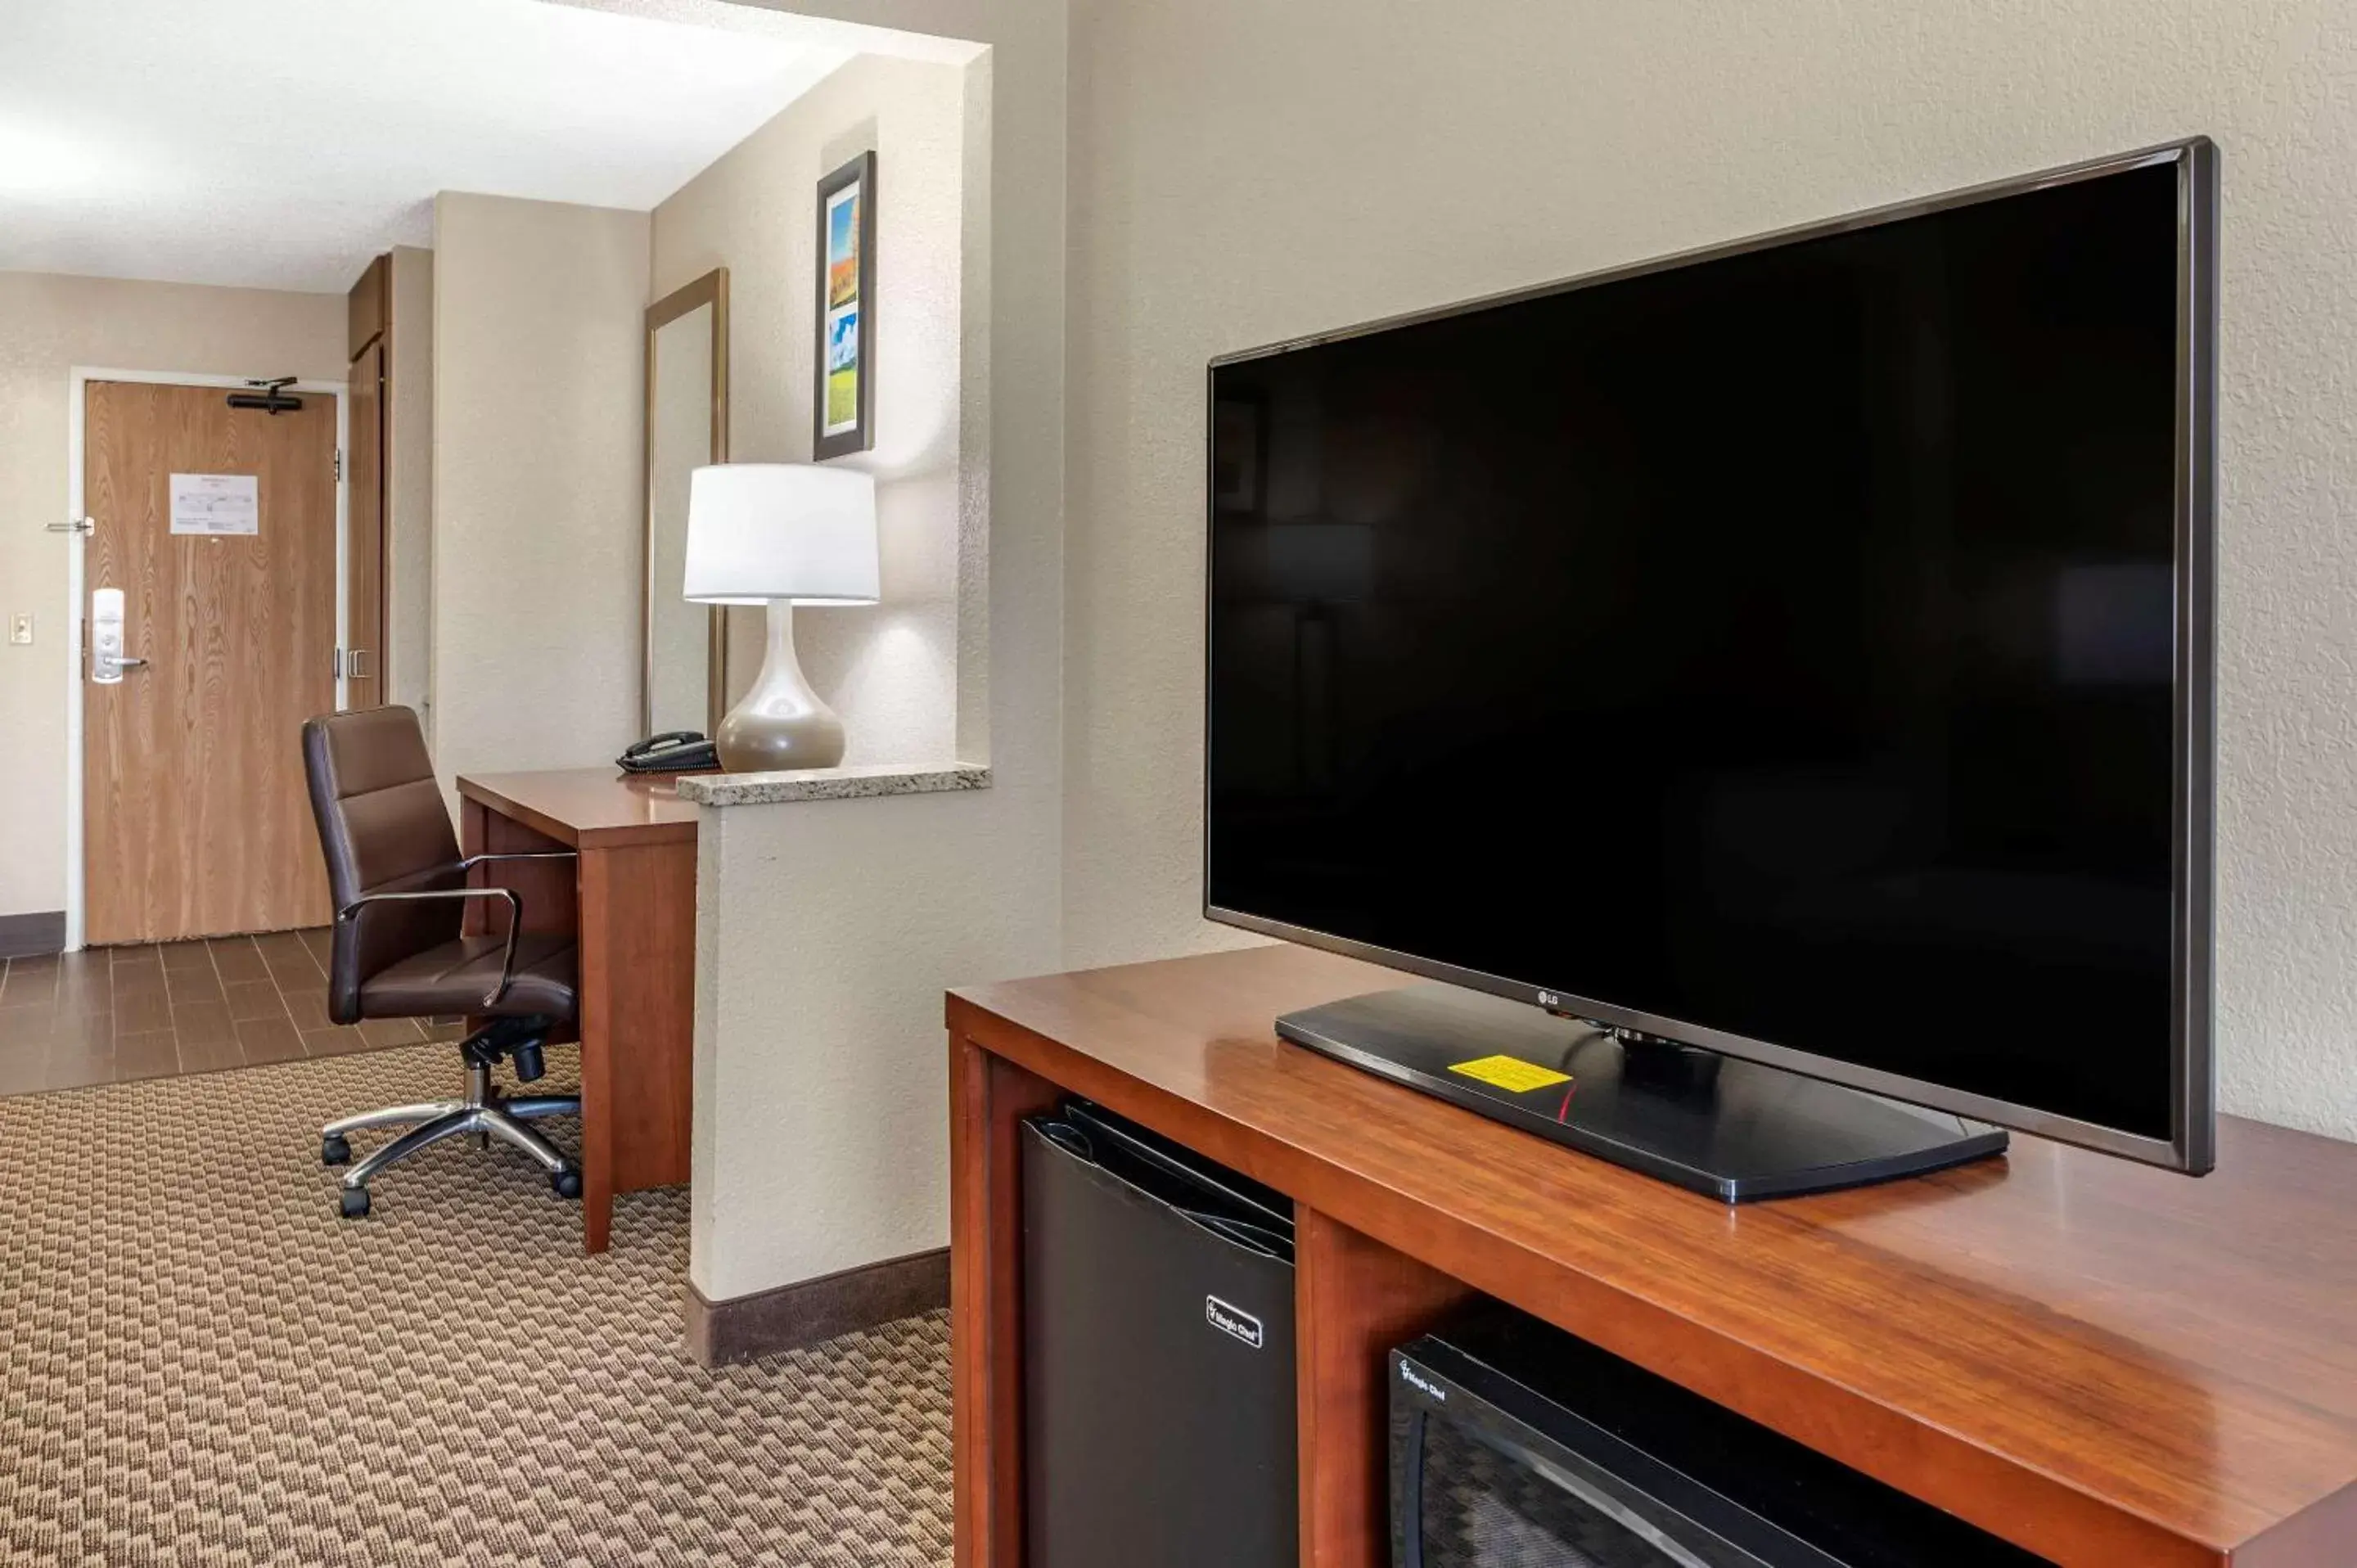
column 194, row 821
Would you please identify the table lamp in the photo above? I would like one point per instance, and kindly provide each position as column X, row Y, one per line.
column 780, row 535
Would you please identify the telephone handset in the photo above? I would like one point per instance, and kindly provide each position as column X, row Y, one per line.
column 674, row 751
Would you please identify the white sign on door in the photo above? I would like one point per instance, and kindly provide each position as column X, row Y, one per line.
column 216, row 503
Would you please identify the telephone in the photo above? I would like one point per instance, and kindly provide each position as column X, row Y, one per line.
column 674, row 751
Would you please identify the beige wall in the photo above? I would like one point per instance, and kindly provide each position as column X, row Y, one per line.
column 1243, row 172
column 827, row 932
column 48, row 326
column 409, row 482
column 818, row 1043
column 537, row 309
column 890, row 669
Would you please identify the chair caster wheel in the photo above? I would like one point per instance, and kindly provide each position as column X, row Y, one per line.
column 334, row 1151
column 354, row 1201
column 565, row 1184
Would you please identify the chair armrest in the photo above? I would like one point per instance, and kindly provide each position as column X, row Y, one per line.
column 515, row 920
column 515, row 915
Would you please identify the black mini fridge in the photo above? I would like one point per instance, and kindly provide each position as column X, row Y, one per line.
column 1157, row 1350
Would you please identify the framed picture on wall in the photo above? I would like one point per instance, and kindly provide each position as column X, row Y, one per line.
column 845, row 405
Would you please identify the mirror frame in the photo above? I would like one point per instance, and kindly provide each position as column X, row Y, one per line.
column 711, row 289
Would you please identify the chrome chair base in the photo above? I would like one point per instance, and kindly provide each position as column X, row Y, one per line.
column 482, row 1112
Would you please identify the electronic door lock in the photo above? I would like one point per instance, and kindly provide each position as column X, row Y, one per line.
column 106, row 661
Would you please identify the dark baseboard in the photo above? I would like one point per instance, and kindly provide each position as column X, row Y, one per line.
column 720, row 1333
column 30, row 936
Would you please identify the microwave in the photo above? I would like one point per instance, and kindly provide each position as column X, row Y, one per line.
column 1514, row 1445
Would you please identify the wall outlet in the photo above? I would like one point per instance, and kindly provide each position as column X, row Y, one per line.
column 20, row 628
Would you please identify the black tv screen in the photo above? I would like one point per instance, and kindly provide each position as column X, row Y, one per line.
column 1800, row 649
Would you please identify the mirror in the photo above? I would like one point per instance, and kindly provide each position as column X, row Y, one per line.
column 685, row 680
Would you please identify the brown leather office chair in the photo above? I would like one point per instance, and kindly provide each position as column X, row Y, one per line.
column 401, row 895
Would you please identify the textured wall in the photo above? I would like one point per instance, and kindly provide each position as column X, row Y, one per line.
column 1242, row 172
column 826, row 932
column 829, row 930
column 538, row 307
column 889, row 669
column 409, row 480
column 48, row 325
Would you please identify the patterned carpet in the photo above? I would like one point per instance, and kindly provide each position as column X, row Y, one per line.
column 202, row 1364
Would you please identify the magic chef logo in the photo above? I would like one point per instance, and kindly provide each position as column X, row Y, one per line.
column 1234, row 1322
column 1414, row 1379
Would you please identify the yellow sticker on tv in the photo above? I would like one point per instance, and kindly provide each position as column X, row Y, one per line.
column 1511, row 1073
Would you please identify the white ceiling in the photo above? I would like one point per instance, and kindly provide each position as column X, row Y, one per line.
column 280, row 143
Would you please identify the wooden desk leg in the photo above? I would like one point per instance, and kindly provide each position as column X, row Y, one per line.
column 638, row 1024
column 474, row 831
column 1354, row 1301
column 988, row 1099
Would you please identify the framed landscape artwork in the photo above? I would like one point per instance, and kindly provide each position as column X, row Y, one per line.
column 846, row 404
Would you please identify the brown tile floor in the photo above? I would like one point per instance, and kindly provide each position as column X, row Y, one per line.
column 110, row 1014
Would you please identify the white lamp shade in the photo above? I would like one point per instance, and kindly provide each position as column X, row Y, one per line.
column 757, row 532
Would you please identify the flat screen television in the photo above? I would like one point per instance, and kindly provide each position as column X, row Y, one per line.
column 1765, row 692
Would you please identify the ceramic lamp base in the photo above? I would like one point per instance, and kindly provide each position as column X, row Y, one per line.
column 780, row 723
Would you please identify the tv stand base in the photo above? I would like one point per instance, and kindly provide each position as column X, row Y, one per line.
column 1716, row 1124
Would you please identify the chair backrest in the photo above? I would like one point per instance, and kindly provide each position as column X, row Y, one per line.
column 383, row 828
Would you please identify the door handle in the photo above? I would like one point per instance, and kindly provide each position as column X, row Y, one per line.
column 106, row 669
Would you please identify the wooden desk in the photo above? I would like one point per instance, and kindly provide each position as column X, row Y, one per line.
column 631, row 897
column 2113, row 1366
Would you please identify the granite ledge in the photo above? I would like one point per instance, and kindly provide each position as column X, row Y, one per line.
column 831, row 783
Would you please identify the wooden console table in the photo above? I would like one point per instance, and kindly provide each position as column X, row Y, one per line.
column 630, row 899
column 2111, row 1366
